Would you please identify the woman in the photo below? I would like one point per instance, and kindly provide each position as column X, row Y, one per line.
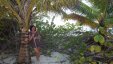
column 34, row 39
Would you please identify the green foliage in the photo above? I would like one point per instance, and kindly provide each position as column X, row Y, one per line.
column 102, row 30
column 8, row 30
column 92, row 48
column 109, row 44
column 95, row 48
column 66, row 39
column 99, row 38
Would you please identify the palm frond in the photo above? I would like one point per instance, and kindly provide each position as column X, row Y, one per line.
column 85, row 10
column 81, row 19
column 29, row 11
column 54, row 5
column 9, row 6
column 100, row 4
column 3, row 12
column 109, row 22
column 19, row 4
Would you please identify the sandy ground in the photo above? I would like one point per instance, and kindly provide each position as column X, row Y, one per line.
column 55, row 58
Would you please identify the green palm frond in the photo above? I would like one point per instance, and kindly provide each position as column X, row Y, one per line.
column 29, row 11
column 81, row 19
column 109, row 10
column 54, row 5
column 109, row 22
column 100, row 4
column 9, row 6
column 86, row 11
column 21, row 9
column 3, row 12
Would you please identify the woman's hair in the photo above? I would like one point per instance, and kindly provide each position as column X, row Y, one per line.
column 31, row 27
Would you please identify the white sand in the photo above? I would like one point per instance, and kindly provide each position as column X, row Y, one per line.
column 56, row 58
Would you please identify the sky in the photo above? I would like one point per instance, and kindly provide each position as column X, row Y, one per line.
column 58, row 20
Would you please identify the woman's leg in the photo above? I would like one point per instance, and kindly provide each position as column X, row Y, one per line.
column 37, row 52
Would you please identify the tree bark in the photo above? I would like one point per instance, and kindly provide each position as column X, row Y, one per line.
column 24, row 54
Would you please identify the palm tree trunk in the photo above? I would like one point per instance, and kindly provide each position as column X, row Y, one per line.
column 24, row 54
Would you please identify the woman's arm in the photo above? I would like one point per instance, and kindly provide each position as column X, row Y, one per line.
column 31, row 37
column 37, row 36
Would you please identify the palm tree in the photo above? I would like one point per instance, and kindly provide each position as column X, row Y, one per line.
column 94, row 15
column 22, row 10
